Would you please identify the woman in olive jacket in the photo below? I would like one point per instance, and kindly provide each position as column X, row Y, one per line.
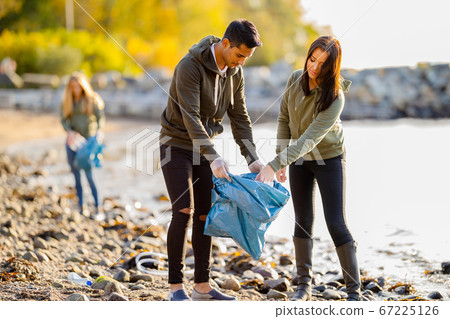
column 310, row 117
column 82, row 117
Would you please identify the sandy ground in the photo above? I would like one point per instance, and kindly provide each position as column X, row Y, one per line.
column 21, row 126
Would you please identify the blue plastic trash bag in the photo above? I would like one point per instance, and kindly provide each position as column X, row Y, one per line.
column 244, row 209
column 90, row 154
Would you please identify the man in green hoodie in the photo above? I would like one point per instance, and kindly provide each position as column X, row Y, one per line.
column 207, row 83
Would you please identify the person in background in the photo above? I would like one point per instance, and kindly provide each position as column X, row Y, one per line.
column 208, row 83
column 310, row 116
column 82, row 117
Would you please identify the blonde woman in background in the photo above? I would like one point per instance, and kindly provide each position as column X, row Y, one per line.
column 82, row 117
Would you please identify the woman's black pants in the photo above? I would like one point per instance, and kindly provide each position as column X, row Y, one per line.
column 330, row 177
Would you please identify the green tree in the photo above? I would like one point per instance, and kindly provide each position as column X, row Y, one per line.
column 160, row 32
column 9, row 6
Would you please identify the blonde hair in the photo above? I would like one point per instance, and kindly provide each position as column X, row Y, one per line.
column 89, row 97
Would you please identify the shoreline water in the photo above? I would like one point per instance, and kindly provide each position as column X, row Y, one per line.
column 137, row 190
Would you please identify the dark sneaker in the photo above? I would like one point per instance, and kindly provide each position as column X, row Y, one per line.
column 179, row 295
column 214, row 294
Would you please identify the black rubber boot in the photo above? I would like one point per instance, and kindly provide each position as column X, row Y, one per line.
column 350, row 270
column 303, row 257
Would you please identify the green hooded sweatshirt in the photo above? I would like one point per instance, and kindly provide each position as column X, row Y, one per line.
column 199, row 98
column 314, row 136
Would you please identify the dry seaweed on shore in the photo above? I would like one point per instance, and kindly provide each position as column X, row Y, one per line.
column 17, row 269
column 403, row 288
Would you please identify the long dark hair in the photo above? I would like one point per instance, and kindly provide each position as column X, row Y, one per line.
column 330, row 74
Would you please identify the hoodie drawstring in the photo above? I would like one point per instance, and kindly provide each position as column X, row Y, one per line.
column 216, row 89
column 231, row 93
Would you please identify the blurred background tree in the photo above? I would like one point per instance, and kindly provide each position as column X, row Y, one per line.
column 154, row 32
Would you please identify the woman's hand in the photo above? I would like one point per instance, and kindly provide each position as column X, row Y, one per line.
column 281, row 175
column 71, row 135
column 265, row 175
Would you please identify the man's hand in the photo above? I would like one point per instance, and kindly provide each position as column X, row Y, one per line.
column 220, row 169
column 265, row 175
column 281, row 175
column 256, row 166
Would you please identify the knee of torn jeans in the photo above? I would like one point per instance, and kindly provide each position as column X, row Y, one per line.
column 187, row 210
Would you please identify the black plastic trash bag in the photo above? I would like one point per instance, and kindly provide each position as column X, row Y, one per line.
column 244, row 209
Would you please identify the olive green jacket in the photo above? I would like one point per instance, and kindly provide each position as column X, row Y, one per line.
column 301, row 132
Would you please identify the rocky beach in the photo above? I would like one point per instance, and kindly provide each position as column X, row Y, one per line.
column 44, row 237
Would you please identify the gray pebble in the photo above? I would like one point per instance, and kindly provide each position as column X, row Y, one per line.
column 75, row 258
column 381, row 281
column 105, row 262
column 117, row 297
column 231, row 283
column 401, row 290
column 62, row 235
column 51, row 256
column 250, row 275
column 101, row 284
column 331, row 294
column 374, row 287
column 266, row 272
column 57, row 284
column 77, row 297
column 111, row 287
column 122, row 275
column 90, row 260
column 321, row 288
column 39, row 243
column 286, row 260
column 138, row 287
column 111, row 246
column 189, row 261
column 145, row 277
column 275, row 294
column 30, row 256
column 335, row 284
column 435, row 295
column 83, row 237
column 281, row 284
column 41, row 256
